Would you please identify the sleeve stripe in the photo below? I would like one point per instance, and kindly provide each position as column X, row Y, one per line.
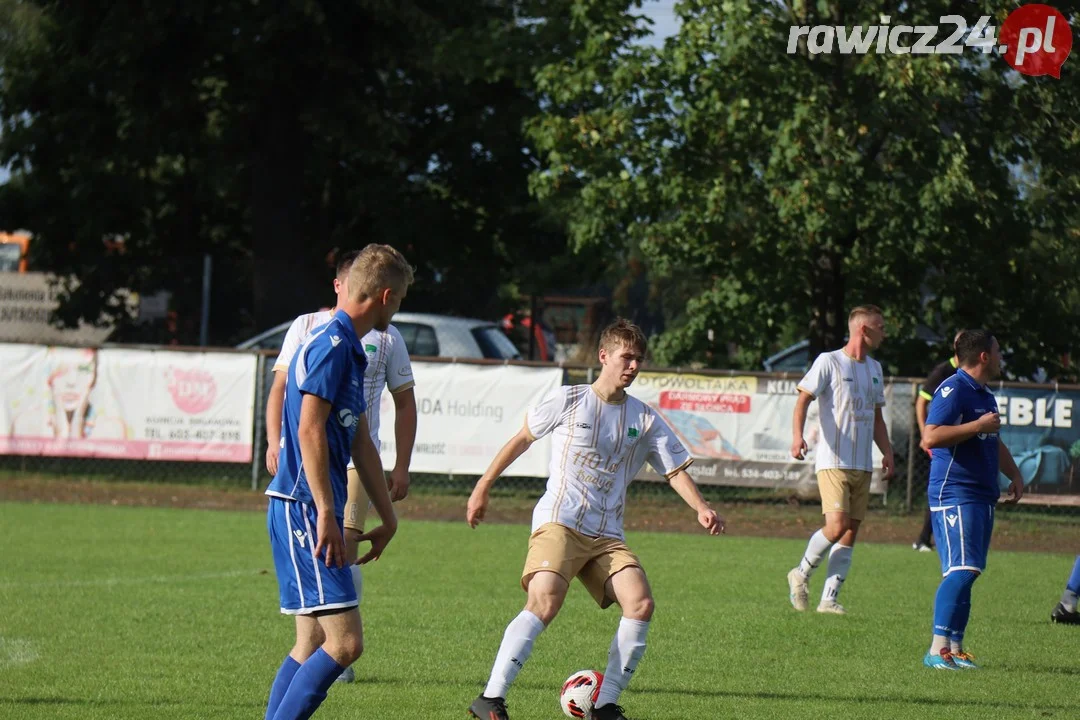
column 686, row 463
column 532, row 438
column 802, row 389
column 403, row 388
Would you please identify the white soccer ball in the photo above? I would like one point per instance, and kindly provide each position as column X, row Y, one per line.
column 579, row 692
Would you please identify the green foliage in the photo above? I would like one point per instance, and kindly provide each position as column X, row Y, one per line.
column 779, row 188
column 270, row 134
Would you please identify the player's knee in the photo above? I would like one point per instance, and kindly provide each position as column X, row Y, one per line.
column 641, row 609
column 346, row 650
column 545, row 607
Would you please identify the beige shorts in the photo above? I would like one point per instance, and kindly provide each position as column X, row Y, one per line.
column 566, row 552
column 844, row 491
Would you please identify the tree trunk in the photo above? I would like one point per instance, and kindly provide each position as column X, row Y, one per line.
column 828, row 319
column 289, row 274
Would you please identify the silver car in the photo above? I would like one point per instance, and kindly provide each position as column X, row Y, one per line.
column 425, row 335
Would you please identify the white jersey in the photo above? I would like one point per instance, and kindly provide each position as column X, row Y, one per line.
column 597, row 448
column 387, row 356
column 848, row 392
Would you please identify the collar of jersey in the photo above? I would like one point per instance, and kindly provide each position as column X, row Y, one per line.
column 350, row 332
column 969, row 380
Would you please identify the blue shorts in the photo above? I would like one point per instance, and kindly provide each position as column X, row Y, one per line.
column 305, row 583
column 962, row 534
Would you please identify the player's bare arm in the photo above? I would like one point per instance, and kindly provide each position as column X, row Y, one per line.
column 940, row 436
column 506, row 456
column 881, row 439
column 691, row 495
column 315, row 455
column 369, row 467
column 1009, row 469
column 274, row 403
column 922, row 409
column 404, row 438
column 798, row 422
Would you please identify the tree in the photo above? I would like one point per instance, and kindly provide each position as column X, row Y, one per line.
column 270, row 135
column 778, row 189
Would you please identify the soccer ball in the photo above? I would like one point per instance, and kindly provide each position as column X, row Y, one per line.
column 579, row 692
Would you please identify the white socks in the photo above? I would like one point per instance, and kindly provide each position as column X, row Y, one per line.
column 516, row 647
column 815, row 551
column 625, row 652
column 839, row 564
column 1068, row 599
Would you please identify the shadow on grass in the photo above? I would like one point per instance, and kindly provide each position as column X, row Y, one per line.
column 991, row 705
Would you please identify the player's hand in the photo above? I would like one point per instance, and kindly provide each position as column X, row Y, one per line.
column 330, row 542
column 272, row 459
column 799, row 448
column 711, row 521
column 1016, row 491
column 989, row 423
column 379, row 539
column 888, row 463
column 399, row 483
column 474, row 511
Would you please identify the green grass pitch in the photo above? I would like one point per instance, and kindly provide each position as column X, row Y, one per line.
column 113, row 612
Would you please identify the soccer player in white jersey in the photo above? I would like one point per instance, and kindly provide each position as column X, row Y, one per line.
column 600, row 439
column 850, row 389
column 388, row 364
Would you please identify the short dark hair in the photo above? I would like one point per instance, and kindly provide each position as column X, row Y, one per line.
column 623, row 332
column 344, row 261
column 971, row 344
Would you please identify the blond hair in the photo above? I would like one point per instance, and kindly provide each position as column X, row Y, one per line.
column 376, row 268
column 623, row 332
column 861, row 312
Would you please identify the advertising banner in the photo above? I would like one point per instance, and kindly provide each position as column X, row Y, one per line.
column 738, row 429
column 131, row 404
column 1039, row 428
column 465, row 413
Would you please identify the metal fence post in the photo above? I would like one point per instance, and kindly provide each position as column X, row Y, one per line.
column 914, row 425
column 258, row 435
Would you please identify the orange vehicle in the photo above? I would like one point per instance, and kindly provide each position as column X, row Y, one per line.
column 14, row 251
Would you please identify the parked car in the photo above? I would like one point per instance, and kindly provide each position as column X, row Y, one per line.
column 425, row 335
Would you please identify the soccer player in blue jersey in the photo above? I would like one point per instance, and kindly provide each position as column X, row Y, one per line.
column 1065, row 612
column 962, row 433
column 323, row 425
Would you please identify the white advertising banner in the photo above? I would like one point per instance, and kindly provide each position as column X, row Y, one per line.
column 738, row 428
column 131, row 404
column 465, row 413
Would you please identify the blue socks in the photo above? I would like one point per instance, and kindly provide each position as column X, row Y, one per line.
column 960, row 616
column 308, row 687
column 1074, row 579
column 952, row 605
column 1072, row 589
column 281, row 685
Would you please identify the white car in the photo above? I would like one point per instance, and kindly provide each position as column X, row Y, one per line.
column 425, row 336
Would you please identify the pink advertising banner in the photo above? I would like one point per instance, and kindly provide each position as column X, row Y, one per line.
column 131, row 404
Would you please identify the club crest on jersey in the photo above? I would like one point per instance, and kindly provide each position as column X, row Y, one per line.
column 632, row 432
column 371, row 349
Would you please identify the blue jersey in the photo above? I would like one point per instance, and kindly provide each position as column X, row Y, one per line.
column 330, row 365
column 966, row 472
